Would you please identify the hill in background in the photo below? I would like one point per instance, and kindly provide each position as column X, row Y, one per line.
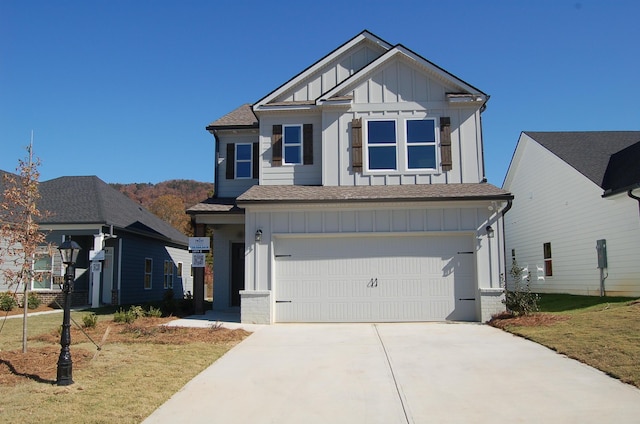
column 169, row 199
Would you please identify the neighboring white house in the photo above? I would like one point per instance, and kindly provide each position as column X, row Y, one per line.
column 575, row 191
column 356, row 192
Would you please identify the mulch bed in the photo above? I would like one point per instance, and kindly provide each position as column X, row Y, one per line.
column 538, row 319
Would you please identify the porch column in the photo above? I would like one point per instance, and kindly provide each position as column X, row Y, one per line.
column 198, row 277
column 96, row 270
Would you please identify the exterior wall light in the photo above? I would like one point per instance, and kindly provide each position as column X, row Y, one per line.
column 69, row 252
column 258, row 235
column 490, row 231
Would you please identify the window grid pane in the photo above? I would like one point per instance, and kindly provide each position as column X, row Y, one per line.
column 292, row 140
column 244, row 153
column 421, row 144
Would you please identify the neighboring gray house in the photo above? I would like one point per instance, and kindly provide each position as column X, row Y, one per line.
column 356, row 192
column 574, row 192
column 139, row 256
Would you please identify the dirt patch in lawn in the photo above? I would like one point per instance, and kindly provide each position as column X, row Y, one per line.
column 40, row 363
column 505, row 319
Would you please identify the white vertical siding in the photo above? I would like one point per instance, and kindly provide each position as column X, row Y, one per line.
column 442, row 220
column 555, row 203
column 290, row 174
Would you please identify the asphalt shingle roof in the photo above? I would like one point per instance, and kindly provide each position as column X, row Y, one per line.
column 89, row 200
column 592, row 154
column 238, row 118
column 417, row 192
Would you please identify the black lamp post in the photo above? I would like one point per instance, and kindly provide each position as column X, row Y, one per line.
column 69, row 251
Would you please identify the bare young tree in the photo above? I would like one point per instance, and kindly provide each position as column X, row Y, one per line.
column 20, row 237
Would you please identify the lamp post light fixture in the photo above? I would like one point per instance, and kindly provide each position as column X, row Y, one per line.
column 258, row 235
column 69, row 252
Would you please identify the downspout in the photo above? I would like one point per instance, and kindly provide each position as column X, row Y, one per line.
column 633, row 196
column 504, row 239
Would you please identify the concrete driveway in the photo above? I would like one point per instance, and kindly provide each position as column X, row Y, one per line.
column 397, row 373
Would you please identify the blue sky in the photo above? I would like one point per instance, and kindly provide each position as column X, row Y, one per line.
column 124, row 89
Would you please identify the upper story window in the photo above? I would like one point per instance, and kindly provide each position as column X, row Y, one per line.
column 401, row 145
column 382, row 145
column 244, row 157
column 292, row 140
column 421, row 144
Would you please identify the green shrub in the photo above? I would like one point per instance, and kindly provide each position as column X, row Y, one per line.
column 123, row 316
column 520, row 300
column 33, row 300
column 89, row 320
column 7, row 301
column 137, row 311
column 154, row 312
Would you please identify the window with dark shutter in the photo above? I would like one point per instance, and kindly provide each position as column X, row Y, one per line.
column 256, row 161
column 307, row 144
column 445, row 143
column 231, row 155
column 276, row 146
column 356, row 145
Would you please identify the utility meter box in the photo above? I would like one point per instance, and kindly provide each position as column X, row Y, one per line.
column 601, row 248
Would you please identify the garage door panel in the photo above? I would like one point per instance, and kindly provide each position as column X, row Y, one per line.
column 369, row 279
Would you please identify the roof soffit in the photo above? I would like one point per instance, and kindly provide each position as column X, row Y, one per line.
column 365, row 37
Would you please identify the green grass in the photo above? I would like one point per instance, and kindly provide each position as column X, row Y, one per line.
column 601, row 332
column 125, row 383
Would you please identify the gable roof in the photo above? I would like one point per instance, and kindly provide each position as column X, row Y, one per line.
column 590, row 153
column 364, row 36
column 400, row 50
column 89, row 200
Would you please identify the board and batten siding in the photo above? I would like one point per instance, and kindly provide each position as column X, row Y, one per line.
column 290, row 174
column 375, row 221
column 556, row 204
column 332, row 74
column 466, row 146
column 232, row 187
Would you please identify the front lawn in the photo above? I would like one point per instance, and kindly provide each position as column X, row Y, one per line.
column 601, row 332
column 139, row 367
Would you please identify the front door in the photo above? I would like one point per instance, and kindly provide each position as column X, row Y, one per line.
column 237, row 272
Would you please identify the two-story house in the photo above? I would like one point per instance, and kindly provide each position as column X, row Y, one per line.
column 356, row 192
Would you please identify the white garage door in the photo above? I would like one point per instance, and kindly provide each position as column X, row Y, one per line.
column 374, row 279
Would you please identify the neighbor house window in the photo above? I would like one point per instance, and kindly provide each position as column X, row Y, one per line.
column 148, row 272
column 421, row 144
column 244, row 153
column 381, row 145
column 42, row 272
column 548, row 266
column 179, row 270
column 168, row 274
column 292, row 141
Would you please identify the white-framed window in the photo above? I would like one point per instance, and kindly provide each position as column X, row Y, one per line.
column 382, row 145
column 42, row 271
column 421, row 143
column 292, row 144
column 148, row 273
column 244, row 160
column 168, row 274
column 401, row 144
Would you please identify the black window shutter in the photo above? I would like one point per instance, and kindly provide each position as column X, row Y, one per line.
column 445, row 143
column 276, row 146
column 307, row 144
column 231, row 161
column 256, row 161
column 356, row 145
